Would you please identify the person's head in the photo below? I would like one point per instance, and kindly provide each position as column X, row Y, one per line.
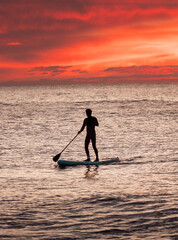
column 88, row 112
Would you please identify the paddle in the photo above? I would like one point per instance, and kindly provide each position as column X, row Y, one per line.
column 55, row 158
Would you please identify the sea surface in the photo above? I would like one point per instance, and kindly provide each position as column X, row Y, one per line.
column 136, row 198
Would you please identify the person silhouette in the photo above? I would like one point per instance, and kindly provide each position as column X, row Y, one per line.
column 90, row 122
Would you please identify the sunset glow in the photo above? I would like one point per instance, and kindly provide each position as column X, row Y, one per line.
column 106, row 41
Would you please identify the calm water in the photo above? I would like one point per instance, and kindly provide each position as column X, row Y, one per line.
column 136, row 198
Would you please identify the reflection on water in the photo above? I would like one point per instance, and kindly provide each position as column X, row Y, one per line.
column 91, row 171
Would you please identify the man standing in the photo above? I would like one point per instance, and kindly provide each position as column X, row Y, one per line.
column 90, row 122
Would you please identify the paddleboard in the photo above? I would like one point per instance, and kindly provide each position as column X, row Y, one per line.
column 85, row 163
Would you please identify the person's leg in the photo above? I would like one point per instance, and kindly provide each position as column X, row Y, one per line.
column 87, row 141
column 94, row 147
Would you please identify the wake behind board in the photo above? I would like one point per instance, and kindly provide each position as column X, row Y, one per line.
column 64, row 163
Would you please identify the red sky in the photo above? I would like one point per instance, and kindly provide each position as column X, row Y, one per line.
column 104, row 41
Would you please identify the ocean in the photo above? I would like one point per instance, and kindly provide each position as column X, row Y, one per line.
column 136, row 198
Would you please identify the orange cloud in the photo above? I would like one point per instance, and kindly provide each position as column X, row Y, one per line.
column 13, row 43
column 88, row 35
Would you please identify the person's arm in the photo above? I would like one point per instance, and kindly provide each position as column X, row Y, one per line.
column 96, row 122
column 82, row 128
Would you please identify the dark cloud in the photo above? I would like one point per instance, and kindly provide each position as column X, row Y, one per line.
column 130, row 4
column 72, row 15
column 50, row 70
column 144, row 70
column 79, row 71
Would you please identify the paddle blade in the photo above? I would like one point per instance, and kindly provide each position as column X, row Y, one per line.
column 55, row 158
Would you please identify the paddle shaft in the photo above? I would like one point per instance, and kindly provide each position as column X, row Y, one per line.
column 69, row 143
column 55, row 158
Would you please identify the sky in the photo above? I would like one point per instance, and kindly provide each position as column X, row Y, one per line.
column 88, row 41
